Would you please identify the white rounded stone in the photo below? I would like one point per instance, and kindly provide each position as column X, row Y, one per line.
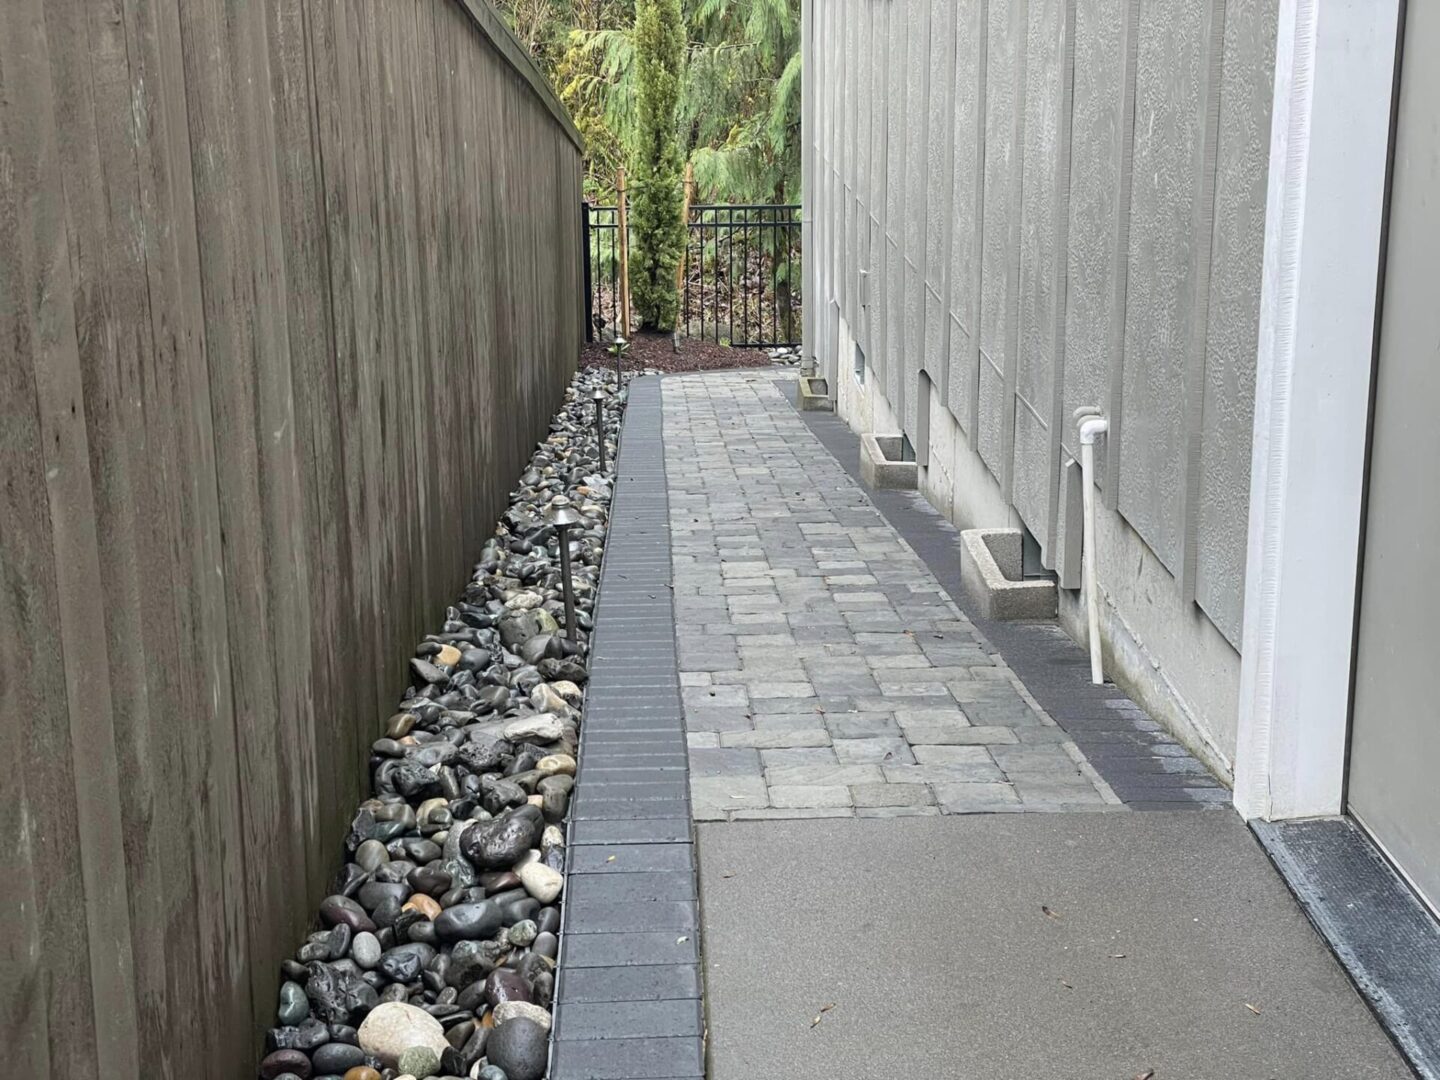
column 393, row 1027
column 516, row 1010
column 542, row 727
column 556, row 765
column 540, row 881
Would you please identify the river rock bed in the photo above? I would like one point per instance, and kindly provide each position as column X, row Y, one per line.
column 435, row 954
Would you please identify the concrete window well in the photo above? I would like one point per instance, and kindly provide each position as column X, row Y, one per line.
column 992, row 572
column 883, row 462
column 815, row 394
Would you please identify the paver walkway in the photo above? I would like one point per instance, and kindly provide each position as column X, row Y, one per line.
column 825, row 672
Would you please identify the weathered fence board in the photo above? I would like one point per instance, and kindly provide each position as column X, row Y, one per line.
column 290, row 289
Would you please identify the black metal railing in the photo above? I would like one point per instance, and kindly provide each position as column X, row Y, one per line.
column 739, row 284
column 741, row 279
column 600, row 236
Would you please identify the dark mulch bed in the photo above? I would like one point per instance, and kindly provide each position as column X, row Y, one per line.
column 656, row 352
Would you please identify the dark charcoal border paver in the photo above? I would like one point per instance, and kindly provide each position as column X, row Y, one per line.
column 628, row 1000
column 1381, row 933
column 1132, row 752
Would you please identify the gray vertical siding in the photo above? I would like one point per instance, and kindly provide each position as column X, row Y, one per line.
column 1060, row 203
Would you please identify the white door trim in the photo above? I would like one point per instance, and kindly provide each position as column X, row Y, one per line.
column 1330, row 134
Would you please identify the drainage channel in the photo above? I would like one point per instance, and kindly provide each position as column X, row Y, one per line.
column 628, row 999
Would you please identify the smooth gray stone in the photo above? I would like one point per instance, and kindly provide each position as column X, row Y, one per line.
column 294, row 1005
column 365, row 950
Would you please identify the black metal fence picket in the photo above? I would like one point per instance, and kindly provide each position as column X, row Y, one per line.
column 740, row 283
column 600, row 242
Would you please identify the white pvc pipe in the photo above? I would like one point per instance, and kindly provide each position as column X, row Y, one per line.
column 1091, row 428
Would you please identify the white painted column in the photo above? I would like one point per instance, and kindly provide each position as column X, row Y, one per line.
column 809, row 256
column 1334, row 71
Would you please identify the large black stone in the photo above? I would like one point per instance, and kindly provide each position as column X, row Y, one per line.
column 500, row 844
column 306, row 1035
column 404, row 963
column 335, row 1058
column 468, row 922
column 471, row 961
column 520, row 1047
column 337, row 995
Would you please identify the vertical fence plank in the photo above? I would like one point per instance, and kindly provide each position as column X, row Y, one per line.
column 288, row 294
column 76, row 742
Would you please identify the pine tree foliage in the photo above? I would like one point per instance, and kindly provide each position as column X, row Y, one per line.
column 739, row 107
column 657, row 163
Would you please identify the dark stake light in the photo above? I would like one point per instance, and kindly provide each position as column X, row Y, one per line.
column 599, row 400
column 564, row 517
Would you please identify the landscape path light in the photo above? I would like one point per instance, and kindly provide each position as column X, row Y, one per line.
column 599, row 400
column 564, row 517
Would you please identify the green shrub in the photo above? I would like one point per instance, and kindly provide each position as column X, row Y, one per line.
column 657, row 231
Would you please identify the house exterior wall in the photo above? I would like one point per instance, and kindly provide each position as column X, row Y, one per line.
column 1044, row 204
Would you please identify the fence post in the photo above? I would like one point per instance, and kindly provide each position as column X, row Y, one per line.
column 624, row 253
column 682, row 320
column 585, row 262
column 685, row 221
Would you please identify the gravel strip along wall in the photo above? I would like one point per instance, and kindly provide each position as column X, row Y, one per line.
column 435, row 954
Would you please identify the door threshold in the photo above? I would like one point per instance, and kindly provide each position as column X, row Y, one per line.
column 1380, row 931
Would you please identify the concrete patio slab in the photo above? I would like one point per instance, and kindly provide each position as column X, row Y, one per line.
column 1015, row 947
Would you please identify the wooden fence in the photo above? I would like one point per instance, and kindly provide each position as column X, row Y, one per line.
column 288, row 291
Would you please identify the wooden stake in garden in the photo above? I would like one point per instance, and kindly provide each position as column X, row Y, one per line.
column 685, row 217
column 680, row 267
column 624, row 253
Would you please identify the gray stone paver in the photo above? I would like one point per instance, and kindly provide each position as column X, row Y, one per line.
column 823, row 669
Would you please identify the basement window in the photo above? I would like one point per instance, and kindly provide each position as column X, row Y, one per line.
column 859, row 364
column 907, row 448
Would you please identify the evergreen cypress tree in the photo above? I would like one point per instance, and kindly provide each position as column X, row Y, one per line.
column 658, row 201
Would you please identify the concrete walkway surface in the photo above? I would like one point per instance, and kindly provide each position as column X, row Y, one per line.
column 1013, row 947
column 842, row 733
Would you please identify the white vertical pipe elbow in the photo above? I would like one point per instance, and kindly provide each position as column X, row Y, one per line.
column 1091, row 428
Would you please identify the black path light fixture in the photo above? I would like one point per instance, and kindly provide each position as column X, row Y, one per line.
column 599, row 400
column 563, row 516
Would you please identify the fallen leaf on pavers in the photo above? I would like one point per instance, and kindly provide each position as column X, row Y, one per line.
column 736, row 795
column 681, row 940
column 1066, row 985
column 1117, row 956
column 1252, row 1008
column 610, row 858
column 1050, row 911
column 728, row 873
column 821, row 1014
column 1146, row 1075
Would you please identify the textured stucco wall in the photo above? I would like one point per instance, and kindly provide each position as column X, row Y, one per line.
column 1061, row 203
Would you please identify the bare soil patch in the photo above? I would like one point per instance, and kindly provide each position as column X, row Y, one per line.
column 656, row 352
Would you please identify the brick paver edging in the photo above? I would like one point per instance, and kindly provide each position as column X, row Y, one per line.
column 627, row 1003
